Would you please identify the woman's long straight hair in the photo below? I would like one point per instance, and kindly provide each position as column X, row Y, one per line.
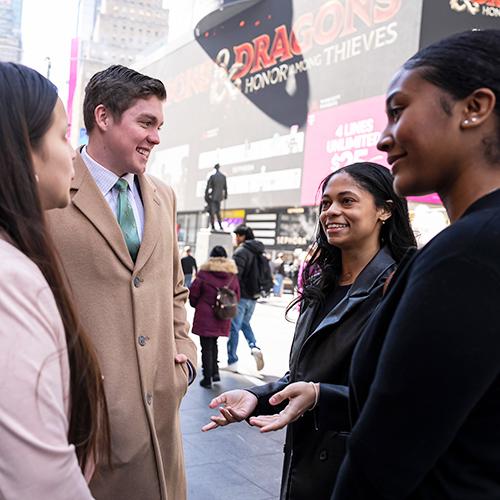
column 27, row 101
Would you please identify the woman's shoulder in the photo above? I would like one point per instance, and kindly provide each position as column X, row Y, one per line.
column 29, row 318
column 24, row 290
column 471, row 243
column 476, row 234
column 19, row 270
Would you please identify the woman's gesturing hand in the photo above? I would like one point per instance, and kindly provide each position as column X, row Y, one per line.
column 301, row 396
column 234, row 406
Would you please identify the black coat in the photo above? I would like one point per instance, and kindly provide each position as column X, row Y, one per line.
column 216, row 189
column 244, row 257
column 314, row 451
column 425, row 379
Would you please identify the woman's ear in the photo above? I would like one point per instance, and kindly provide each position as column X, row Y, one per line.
column 386, row 211
column 479, row 106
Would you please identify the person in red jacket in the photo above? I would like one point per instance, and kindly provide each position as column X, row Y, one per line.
column 217, row 272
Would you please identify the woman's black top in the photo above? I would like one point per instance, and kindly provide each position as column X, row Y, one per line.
column 425, row 376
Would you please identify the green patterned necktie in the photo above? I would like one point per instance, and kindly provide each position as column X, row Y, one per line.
column 126, row 219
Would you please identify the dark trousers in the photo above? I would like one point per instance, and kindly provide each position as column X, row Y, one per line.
column 214, row 210
column 209, row 354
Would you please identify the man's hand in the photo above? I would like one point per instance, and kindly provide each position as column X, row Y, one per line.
column 301, row 396
column 180, row 358
column 234, row 406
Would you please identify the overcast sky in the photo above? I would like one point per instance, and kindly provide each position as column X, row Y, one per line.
column 48, row 27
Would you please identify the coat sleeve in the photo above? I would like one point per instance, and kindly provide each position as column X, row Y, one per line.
column 184, row 345
column 235, row 286
column 195, row 292
column 241, row 261
column 333, row 407
column 36, row 460
column 439, row 359
column 264, row 392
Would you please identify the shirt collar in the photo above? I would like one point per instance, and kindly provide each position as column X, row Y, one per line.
column 104, row 178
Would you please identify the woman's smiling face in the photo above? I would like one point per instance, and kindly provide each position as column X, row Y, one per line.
column 422, row 138
column 349, row 216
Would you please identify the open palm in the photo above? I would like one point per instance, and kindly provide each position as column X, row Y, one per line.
column 234, row 406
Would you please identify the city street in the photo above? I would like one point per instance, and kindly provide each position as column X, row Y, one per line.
column 237, row 462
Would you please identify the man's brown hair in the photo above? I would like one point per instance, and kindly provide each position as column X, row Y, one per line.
column 117, row 88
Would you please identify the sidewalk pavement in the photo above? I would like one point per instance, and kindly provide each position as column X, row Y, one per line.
column 237, row 461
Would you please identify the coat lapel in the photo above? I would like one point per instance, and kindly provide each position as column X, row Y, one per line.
column 303, row 326
column 370, row 343
column 90, row 201
column 359, row 290
column 152, row 221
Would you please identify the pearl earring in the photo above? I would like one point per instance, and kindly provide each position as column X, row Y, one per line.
column 37, row 178
column 472, row 120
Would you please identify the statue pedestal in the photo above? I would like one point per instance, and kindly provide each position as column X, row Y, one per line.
column 206, row 239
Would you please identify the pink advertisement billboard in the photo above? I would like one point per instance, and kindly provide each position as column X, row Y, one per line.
column 341, row 135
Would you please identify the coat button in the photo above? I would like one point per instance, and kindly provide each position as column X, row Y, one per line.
column 323, row 455
column 137, row 282
column 149, row 398
column 142, row 340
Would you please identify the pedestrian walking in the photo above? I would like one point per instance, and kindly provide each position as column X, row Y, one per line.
column 247, row 255
column 118, row 244
column 425, row 377
column 217, row 273
column 53, row 414
column 363, row 233
column 189, row 266
column 279, row 274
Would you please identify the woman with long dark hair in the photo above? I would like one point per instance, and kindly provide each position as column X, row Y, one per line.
column 425, row 376
column 363, row 232
column 53, row 415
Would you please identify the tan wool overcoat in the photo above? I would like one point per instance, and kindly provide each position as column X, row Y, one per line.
column 135, row 315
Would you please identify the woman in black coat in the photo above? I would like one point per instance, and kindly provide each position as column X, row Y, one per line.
column 425, row 379
column 363, row 232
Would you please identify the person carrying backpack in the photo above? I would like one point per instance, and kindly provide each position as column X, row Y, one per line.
column 255, row 279
column 214, row 294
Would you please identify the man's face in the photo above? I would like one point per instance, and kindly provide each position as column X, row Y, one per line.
column 130, row 139
column 239, row 239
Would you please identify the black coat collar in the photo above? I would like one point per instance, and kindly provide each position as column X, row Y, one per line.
column 369, row 278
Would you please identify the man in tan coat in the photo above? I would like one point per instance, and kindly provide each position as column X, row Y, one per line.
column 117, row 241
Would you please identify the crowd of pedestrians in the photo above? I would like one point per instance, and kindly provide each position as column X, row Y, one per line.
column 394, row 375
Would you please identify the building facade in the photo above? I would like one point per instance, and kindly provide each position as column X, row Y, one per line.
column 114, row 32
column 280, row 94
column 10, row 30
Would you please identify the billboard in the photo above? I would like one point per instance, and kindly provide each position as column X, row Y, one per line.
column 339, row 136
column 259, row 92
column 441, row 18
